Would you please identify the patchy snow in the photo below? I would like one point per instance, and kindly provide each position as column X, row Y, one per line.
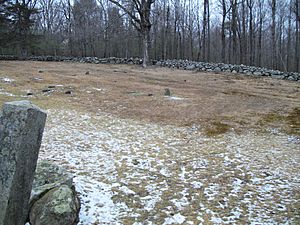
column 174, row 98
column 130, row 172
column 6, row 93
column 6, row 80
column 176, row 219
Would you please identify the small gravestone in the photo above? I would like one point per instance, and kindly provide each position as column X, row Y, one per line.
column 167, row 92
column 21, row 130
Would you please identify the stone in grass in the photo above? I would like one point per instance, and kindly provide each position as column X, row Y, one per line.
column 53, row 198
column 167, row 92
column 58, row 206
column 87, row 72
column 68, row 92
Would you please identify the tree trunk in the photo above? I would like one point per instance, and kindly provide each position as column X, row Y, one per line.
column 288, row 47
column 234, row 30
column 297, row 52
column 251, row 33
column 260, row 33
column 204, row 31
column 273, row 30
column 224, row 12
column 208, row 31
column 146, row 47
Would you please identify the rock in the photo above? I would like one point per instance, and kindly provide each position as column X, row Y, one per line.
column 179, row 64
column 87, row 73
column 217, row 69
column 46, row 90
column 48, row 176
column 51, row 86
column 21, row 130
column 58, row 206
column 191, row 67
column 167, row 92
column 53, row 197
column 257, row 73
column 68, row 92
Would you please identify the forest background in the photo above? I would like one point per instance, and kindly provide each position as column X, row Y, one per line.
column 264, row 33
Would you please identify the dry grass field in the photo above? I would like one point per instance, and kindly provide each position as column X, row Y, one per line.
column 222, row 149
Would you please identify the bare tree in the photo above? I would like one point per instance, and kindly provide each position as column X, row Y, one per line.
column 139, row 11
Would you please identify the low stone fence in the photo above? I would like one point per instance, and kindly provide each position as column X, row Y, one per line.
column 177, row 64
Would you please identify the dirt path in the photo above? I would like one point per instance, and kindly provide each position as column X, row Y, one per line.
column 223, row 149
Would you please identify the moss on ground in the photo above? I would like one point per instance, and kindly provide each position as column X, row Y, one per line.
column 293, row 122
column 289, row 123
column 216, row 128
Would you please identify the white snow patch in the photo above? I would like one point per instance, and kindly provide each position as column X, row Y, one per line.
column 6, row 80
column 7, row 94
column 211, row 191
column 176, row 219
column 174, row 98
column 237, row 185
column 126, row 190
column 96, row 202
column 197, row 184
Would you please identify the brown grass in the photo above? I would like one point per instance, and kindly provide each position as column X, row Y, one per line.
column 129, row 91
column 293, row 121
column 216, row 128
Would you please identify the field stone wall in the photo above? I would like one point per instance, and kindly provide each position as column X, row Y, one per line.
column 178, row 64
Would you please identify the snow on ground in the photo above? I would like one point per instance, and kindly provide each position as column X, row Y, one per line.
column 130, row 172
column 6, row 80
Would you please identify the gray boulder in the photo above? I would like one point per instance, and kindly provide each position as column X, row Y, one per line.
column 53, row 197
column 58, row 206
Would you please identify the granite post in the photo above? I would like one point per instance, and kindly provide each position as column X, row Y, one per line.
column 21, row 129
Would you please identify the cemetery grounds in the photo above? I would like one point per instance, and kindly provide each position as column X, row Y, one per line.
column 222, row 149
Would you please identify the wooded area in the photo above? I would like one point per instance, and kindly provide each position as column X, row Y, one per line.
column 253, row 32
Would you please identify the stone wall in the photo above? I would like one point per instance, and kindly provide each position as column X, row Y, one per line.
column 177, row 64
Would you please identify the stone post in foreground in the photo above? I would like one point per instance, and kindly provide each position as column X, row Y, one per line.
column 21, row 129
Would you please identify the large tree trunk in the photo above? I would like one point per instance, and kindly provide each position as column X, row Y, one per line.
column 146, row 47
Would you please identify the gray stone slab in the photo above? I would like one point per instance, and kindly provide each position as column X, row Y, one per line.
column 21, row 129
